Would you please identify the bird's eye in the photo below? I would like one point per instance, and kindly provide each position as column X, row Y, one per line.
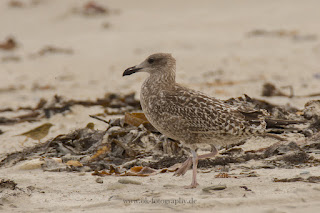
column 150, row 60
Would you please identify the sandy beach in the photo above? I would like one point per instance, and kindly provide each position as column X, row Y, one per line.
column 78, row 50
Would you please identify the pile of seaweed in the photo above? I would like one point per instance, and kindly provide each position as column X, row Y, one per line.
column 131, row 141
column 114, row 104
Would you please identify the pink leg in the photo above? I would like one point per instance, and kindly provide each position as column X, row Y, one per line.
column 194, row 182
column 184, row 167
column 187, row 164
column 213, row 153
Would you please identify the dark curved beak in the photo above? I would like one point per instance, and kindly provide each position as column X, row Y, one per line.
column 131, row 70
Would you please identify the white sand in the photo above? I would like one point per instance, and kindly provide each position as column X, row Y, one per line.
column 205, row 37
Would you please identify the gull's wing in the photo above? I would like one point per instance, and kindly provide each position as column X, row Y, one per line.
column 203, row 114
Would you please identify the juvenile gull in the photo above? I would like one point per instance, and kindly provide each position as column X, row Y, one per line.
column 191, row 116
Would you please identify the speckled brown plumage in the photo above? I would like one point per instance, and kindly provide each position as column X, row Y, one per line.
column 188, row 115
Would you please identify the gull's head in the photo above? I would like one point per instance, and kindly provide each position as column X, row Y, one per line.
column 155, row 63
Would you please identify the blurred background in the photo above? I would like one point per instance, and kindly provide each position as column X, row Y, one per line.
column 80, row 48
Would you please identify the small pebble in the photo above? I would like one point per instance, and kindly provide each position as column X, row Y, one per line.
column 169, row 186
column 99, row 180
column 304, row 173
column 128, row 181
column 115, row 186
column 214, row 188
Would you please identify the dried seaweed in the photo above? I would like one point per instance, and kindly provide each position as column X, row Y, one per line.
column 295, row 35
column 311, row 179
column 98, row 149
column 311, row 112
column 16, row 4
column 127, row 145
column 11, row 159
column 286, row 112
column 128, row 141
column 52, row 50
column 11, row 58
column 12, row 88
column 137, row 119
column 9, row 44
column 288, row 179
column 23, row 4
column 246, row 188
column 7, row 184
column 166, row 161
column 4, row 120
column 92, row 8
column 59, row 104
column 270, row 90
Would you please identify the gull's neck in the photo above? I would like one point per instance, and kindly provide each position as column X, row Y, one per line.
column 161, row 79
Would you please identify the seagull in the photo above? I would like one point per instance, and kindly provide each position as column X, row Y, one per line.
column 192, row 117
